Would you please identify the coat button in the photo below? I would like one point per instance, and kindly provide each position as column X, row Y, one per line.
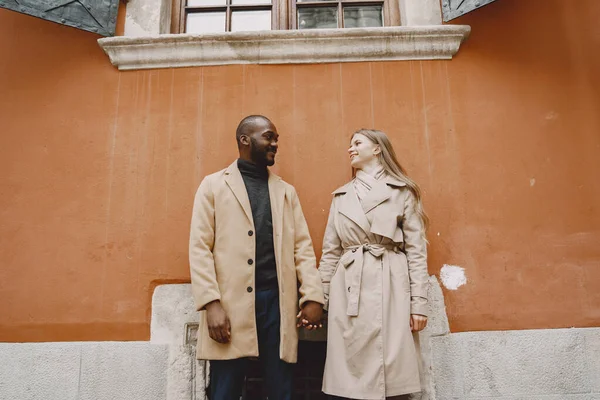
column 249, row 289
column 354, row 250
column 250, row 233
column 348, row 288
column 250, row 262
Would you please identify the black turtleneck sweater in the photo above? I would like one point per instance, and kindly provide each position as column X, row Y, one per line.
column 256, row 180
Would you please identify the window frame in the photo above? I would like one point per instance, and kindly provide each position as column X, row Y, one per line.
column 180, row 11
column 389, row 17
column 283, row 12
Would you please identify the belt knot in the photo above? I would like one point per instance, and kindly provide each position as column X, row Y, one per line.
column 355, row 255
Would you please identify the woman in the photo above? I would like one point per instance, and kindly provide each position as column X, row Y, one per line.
column 374, row 273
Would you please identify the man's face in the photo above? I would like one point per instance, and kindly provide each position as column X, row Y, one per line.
column 263, row 143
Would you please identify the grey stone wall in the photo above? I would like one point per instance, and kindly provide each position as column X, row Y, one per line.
column 530, row 364
column 83, row 371
column 174, row 323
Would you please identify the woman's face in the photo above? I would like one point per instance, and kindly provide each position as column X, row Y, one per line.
column 362, row 151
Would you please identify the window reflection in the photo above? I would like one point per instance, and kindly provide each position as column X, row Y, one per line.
column 363, row 16
column 251, row 20
column 317, row 18
column 205, row 22
column 198, row 3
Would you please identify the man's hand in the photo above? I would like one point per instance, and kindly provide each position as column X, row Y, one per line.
column 219, row 327
column 311, row 315
column 417, row 322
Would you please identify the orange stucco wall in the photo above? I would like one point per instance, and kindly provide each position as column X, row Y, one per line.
column 98, row 167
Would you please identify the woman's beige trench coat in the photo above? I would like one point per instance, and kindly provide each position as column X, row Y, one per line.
column 374, row 273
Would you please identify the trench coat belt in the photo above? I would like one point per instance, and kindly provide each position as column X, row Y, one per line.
column 355, row 255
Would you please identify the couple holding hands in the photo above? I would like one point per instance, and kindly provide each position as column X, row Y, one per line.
column 255, row 281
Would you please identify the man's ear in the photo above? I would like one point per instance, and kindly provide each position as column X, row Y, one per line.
column 245, row 140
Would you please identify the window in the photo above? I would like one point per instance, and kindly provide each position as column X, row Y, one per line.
column 311, row 14
column 205, row 16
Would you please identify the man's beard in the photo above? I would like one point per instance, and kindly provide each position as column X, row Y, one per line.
column 259, row 156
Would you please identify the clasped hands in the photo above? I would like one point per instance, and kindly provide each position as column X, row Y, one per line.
column 310, row 316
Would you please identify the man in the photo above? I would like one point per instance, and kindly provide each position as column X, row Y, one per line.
column 250, row 256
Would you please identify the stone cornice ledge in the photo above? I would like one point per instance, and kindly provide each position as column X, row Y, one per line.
column 286, row 47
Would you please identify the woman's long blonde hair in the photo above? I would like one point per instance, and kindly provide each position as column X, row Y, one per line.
column 389, row 161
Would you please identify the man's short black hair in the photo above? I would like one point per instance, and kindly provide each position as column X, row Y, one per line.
column 246, row 123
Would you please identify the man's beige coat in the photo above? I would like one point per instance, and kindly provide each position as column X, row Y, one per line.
column 374, row 271
column 222, row 251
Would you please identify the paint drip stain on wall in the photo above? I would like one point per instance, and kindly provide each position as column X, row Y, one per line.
column 453, row 276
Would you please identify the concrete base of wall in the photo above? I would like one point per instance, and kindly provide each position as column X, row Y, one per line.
column 174, row 323
column 532, row 364
column 550, row 364
column 83, row 371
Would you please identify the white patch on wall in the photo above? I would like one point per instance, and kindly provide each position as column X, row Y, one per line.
column 532, row 182
column 453, row 276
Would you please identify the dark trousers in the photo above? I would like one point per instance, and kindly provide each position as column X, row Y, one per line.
column 401, row 397
column 227, row 376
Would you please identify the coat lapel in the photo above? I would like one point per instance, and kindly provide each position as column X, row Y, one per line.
column 234, row 180
column 277, row 197
column 378, row 194
column 351, row 208
column 384, row 215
